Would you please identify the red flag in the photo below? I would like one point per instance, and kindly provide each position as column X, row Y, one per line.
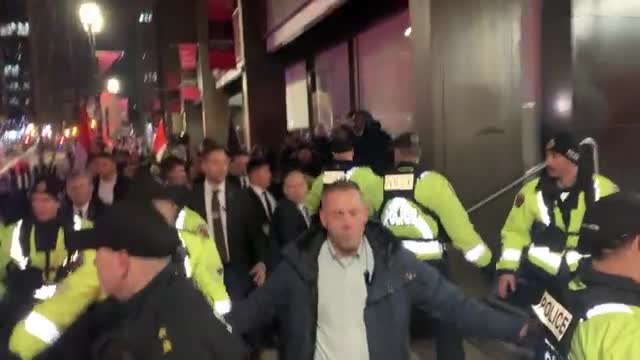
column 160, row 141
column 83, row 143
column 106, row 58
column 84, row 129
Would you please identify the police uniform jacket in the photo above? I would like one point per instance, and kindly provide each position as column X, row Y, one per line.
column 168, row 319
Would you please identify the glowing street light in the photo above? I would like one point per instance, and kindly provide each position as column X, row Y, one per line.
column 91, row 17
column 113, row 86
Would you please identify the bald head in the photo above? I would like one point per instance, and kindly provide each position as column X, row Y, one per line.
column 344, row 215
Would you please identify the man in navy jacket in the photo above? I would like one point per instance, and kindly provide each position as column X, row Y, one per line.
column 346, row 290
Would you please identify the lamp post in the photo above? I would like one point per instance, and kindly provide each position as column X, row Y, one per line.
column 92, row 21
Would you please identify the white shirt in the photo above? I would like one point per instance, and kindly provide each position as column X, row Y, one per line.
column 84, row 210
column 342, row 298
column 208, row 193
column 272, row 201
column 105, row 190
column 305, row 213
column 244, row 181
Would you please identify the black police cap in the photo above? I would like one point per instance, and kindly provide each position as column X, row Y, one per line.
column 565, row 144
column 135, row 227
column 610, row 222
column 145, row 187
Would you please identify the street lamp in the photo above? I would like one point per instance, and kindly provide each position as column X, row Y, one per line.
column 91, row 17
column 92, row 21
column 113, row 86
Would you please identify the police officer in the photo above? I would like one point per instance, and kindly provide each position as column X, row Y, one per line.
column 421, row 208
column 597, row 316
column 81, row 289
column 198, row 255
column 34, row 259
column 153, row 311
column 541, row 232
column 343, row 168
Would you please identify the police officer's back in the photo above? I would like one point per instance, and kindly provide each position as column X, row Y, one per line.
column 343, row 168
column 597, row 316
column 421, row 208
column 161, row 314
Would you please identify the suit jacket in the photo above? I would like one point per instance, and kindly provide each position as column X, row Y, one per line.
column 287, row 223
column 96, row 207
column 246, row 235
column 235, row 180
column 119, row 190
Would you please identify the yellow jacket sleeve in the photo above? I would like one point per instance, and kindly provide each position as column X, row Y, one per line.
column 6, row 237
column 370, row 185
column 209, row 271
column 436, row 193
column 607, row 337
column 314, row 196
column 516, row 230
column 604, row 186
column 53, row 316
column 206, row 270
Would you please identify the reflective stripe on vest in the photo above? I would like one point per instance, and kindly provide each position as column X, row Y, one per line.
column 400, row 212
column 222, row 307
column 44, row 292
column 187, row 264
column 180, row 220
column 509, row 254
column 432, row 249
column 573, row 257
column 77, row 223
column 42, row 328
column 609, row 308
column 16, row 248
column 545, row 255
column 543, row 209
column 476, row 253
column 596, row 189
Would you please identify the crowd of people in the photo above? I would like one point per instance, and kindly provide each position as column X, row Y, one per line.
column 334, row 247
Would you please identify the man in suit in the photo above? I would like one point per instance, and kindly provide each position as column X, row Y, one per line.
column 80, row 199
column 173, row 171
column 259, row 172
column 291, row 218
column 108, row 186
column 232, row 223
column 238, row 169
column 261, row 200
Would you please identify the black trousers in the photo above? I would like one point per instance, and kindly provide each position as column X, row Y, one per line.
column 448, row 339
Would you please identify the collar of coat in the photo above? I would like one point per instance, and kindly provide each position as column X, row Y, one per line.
column 303, row 257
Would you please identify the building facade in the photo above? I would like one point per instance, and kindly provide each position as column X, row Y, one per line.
column 16, row 100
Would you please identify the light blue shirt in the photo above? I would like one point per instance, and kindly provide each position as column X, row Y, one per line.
column 342, row 298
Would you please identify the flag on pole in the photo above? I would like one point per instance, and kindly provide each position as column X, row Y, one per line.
column 159, row 141
column 83, row 143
